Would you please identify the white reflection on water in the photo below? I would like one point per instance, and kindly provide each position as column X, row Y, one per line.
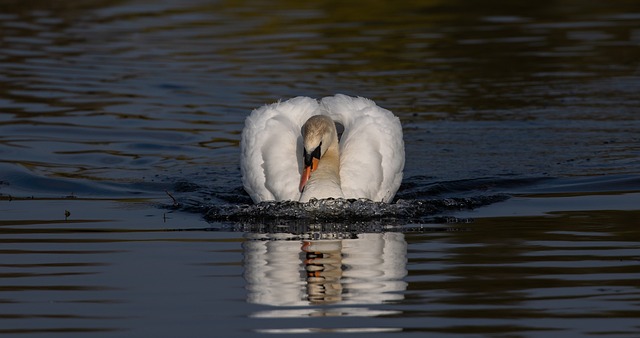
column 284, row 270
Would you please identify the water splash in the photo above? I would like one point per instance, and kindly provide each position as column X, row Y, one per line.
column 420, row 201
column 352, row 211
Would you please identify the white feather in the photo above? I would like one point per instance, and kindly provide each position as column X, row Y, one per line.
column 371, row 148
column 271, row 149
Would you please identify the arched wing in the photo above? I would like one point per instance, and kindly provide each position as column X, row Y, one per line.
column 371, row 147
column 271, row 149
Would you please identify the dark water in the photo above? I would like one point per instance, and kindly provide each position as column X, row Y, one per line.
column 122, row 211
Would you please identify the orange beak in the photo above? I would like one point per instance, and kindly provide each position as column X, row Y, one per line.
column 306, row 173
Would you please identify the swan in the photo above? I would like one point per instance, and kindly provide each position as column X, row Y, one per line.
column 291, row 150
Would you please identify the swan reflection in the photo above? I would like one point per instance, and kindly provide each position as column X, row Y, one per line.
column 288, row 270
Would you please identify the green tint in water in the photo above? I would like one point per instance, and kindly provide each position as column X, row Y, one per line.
column 100, row 90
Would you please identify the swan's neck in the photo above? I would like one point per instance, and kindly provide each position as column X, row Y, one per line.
column 325, row 180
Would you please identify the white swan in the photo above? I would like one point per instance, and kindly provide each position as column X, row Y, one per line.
column 291, row 150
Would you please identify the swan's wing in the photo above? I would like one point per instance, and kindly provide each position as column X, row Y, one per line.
column 271, row 149
column 371, row 147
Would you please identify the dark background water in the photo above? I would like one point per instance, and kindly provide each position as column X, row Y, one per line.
column 105, row 105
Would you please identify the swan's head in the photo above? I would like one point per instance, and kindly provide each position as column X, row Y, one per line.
column 318, row 134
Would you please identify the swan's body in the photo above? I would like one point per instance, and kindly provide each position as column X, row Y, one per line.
column 366, row 162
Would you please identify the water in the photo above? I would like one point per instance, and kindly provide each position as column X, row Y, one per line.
column 122, row 212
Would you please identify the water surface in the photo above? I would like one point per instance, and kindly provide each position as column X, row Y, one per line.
column 119, row 131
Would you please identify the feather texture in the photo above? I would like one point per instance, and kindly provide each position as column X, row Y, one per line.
column 371, row 148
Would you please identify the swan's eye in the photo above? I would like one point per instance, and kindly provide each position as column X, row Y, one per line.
column 316, row 152
column 308, row 158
